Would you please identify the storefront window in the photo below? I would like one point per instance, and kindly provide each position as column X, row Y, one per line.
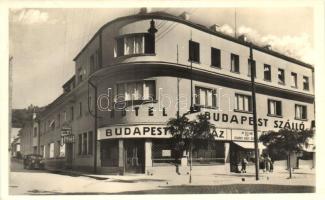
column 51, row 145
column 162, row 152
column 109, row 153
column 209, row 154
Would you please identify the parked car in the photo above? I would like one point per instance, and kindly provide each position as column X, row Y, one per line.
column 33, row 161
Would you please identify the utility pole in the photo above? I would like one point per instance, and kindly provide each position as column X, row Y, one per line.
column 254, row 110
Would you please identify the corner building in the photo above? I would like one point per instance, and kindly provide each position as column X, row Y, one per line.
column 140, row 66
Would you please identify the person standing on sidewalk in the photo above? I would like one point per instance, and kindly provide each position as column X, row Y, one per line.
column 243, row 165
column 267, row 163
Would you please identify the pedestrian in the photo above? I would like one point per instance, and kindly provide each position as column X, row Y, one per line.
column 271, row 165
column 262, row 163
column 267, row 163
column 243, row 165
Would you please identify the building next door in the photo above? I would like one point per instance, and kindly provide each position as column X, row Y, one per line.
column 134, row 156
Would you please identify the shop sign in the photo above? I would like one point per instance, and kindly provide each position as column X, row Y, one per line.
column 166, row 153
column 221, row 134
column 66, row 136
column 137, row 131
column 243, row 135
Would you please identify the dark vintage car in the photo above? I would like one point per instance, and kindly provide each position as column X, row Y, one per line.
column 33, row 161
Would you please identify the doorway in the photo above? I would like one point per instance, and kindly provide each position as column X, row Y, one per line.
column 69, row 155
column 134, row 156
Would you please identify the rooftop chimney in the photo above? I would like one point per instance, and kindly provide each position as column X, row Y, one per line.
column 185, row 16
column 268, row 47
column 215, row 27
column 243, row 38
column 144, row 10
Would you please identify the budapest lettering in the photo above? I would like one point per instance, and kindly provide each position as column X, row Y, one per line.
column 262, row 122
column 145, row 130
column 136, row 131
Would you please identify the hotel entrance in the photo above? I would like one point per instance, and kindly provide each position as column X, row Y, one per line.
column 134, row 156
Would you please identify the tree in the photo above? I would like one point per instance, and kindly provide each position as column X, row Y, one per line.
column 286, row 141
column 187, row 135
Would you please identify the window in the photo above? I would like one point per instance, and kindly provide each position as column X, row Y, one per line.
column 135, row 44
column 52, row 125
column 72, row 112
column 51, row 147
column 92, row 63
column 281, row 77
column 80, row 144
column 234, row 62
column 90, row 142
column 274, row 108
column 61, row 150
column 301, row 111
column 243, row 103
column 293, row 80
column 215, row 58
column 194, row 51
column 163, row 152
column 35, row 131
column 80, row 74
column 267, row 72
column 206, row 97
column 250, row 67
column 84, row 143
column 59, row 120
column 43, row 151
column 80, row 109
column 65, row 115
column 138, row 90
column 305, row 83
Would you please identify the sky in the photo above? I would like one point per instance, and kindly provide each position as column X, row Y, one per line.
column 43, row 42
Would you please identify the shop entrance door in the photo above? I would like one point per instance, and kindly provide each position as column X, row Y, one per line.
column 69, row 155
column 134, row 156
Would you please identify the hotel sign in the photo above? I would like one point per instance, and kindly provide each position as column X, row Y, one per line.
column 136, row 131
column 149, row 131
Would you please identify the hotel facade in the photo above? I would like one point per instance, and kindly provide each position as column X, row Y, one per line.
column 135, row 74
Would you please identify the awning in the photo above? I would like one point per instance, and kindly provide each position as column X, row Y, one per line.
column 249, row 145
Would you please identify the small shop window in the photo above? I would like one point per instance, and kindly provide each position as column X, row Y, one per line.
column 162, row 152
column 109, row 153
column 209, row 154
column 51, row 151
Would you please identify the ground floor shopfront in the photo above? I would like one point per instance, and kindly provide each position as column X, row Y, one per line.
column 149, row 150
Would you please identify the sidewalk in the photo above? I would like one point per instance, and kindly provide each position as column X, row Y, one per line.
column 215, row 175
